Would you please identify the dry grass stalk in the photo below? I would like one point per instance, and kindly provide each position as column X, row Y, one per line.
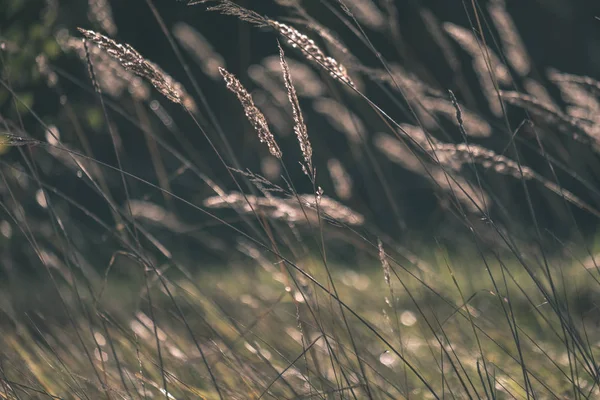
column 337, row 49
column 228, row 7
column 100, row 12
column 384, row 262
column 306, row 81
column 457, row 187
column 311, row 51
column 200, row 49
column 10, row 139
column 456, row 155
column 294, row 37
column 112, row 77
column 331, row 39
column 474, row 125
column 254, row 115
column 288, row 209
column 567, row 124
column 513, row 46
column 299, row 125
column 332, row 209
column 465, row 153
column 265, row 186
column 133, row 61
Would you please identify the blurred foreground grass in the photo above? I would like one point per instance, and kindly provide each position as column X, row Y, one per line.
column 256, row 332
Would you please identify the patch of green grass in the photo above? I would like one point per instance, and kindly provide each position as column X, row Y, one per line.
column 255, row 329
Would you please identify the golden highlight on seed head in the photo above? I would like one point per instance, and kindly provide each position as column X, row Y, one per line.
column 254, row 115
column 134, row 62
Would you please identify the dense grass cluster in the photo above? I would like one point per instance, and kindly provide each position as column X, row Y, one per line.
column 333, row 220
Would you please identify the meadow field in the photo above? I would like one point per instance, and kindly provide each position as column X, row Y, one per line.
column 299, row 199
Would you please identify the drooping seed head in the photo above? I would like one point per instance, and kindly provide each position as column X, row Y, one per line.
column 254, row 115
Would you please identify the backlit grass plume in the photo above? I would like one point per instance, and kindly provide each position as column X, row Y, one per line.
column 294, row 37
column 312, row 52
column 133, row 61
column 299, row 125
column 254, row 115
